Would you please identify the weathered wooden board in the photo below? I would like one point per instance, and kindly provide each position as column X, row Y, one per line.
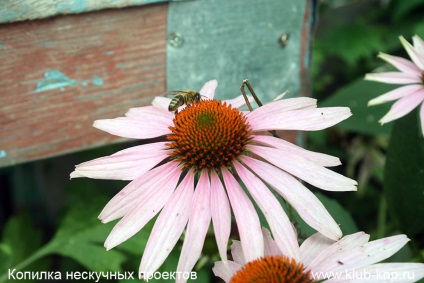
column 58, row 75
column 13, row 10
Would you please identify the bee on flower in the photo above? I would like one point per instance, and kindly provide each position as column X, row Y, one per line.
column 189, row 177
column 183, row 97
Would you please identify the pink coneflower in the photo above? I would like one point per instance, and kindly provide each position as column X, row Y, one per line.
column 351, row 259
column 411, row 74
column 190, row 175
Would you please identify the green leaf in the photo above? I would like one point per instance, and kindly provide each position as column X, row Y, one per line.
column 356, row 96
column 404, row 174
column 353, row 41
column 80, row 236
column 404, row 7
column 20, row 240
column 419, row 29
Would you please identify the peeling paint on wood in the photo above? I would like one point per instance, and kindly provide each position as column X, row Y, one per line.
column 50, row 94
column 97, row 81
column 54, row 79
column 3, row 153
column 12, row 10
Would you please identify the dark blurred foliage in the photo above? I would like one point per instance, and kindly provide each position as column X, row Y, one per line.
column 348, row 38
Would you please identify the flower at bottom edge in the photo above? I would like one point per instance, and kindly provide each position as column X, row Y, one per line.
column 351, row 259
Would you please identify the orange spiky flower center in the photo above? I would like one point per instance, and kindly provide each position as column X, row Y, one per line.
column 208, row 134
column 272, row 269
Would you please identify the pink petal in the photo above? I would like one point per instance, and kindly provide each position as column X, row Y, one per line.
column 247, row 219
column 279, row 223
column 332, row 255
column 126, row 164
column 239, row 101
column 208, row 89
column 270, row 246
column 422, row 118
column 401, row 64
column 365, row 255
column 142, row 112
column 312, row 247
column 198, row 224
column 418, row 45
column 226, row 271
column 284, row 105
column 415, row 56
column 393, row 78
column 161, row 102
column 304, row 119
column 395, row 94
column 163, row 177
column 304, row 169
column 300, row 198
column 403, row 106
column 169, row 226
column 221, row 215
column 237, row 252
column 75, row 174
column 318, row 158
column 142, row 209
column 150, row 126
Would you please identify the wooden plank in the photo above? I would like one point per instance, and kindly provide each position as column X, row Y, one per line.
column 59, row 75
column 12, row 10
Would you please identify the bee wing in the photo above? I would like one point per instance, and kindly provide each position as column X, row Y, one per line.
column 175, row 92
column 171, row 92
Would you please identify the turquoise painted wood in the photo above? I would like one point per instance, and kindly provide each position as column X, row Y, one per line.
column 13, row 10
column 264, row 41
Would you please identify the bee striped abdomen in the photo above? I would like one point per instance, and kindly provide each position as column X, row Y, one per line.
column 176, row 102
column 183, row 97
